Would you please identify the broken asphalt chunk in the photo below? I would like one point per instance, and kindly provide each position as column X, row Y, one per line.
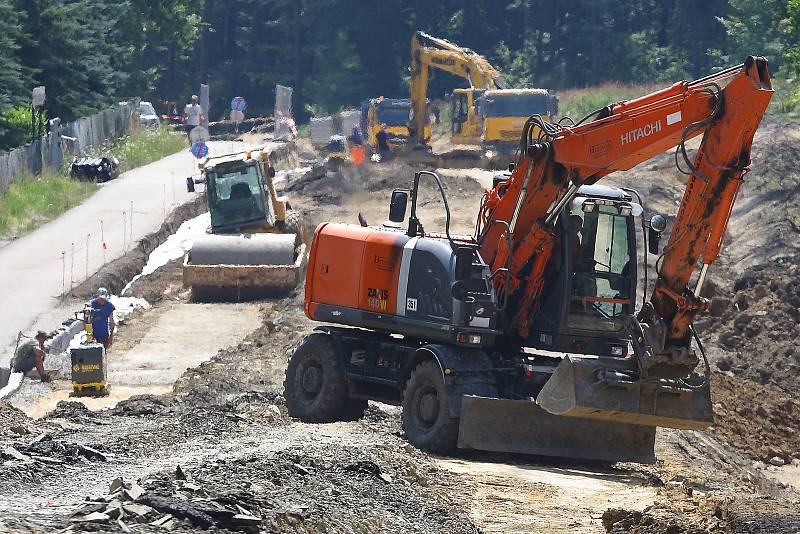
column 136, row 509
column 94, row 517
column 134, row 491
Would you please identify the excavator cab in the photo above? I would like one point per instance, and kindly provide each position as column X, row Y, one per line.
column 458, row 110
column 594, row 265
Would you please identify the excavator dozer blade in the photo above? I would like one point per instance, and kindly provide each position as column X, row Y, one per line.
column 600, row 389
column 519, row 426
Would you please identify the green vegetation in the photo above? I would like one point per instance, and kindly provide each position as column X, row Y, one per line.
column 33, row 201
column 92, row 53
column 142, row 148
column 577, row 103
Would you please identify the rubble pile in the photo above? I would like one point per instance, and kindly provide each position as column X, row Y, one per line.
column 293, row 490
column 26, row 461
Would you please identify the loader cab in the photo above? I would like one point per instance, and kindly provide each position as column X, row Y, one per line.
column 590, row 280
column 463, row 114
column 238, row 198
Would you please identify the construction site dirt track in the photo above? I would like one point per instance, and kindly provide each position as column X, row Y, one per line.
column 219, row 451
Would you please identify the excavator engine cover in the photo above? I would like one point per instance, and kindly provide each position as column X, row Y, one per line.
column 520, row 426
column 603, row 389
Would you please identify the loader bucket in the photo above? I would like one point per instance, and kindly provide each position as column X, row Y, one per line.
column 604, row 389
column 520, row 426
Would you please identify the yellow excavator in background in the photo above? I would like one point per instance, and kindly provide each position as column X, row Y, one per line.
column 488, row 113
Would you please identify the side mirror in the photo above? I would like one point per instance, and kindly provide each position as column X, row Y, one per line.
column 271, row 172
column 190, row 184
column 656, row 226
column 397, row 207
column 362, row 219
column 463, row 263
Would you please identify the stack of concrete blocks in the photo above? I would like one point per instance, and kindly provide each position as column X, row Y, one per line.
column 350, row 118
column 321, row 130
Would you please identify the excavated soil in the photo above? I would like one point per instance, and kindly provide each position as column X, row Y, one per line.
column 759, row 419
column 244, row 465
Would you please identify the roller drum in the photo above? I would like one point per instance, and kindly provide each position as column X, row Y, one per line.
column 243, row 249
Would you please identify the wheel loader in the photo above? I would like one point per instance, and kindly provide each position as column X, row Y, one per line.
column 256, row 243
column 528, row 336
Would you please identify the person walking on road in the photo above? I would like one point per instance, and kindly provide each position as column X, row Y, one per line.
column 29, row 355
column 193, row 115
column 103, row 318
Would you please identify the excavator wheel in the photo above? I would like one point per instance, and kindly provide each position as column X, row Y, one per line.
column 426, row 417
column 315, row 387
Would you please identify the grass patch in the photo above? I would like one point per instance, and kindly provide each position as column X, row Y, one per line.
column 33, row 201
column 577, row 103
column 141, row 147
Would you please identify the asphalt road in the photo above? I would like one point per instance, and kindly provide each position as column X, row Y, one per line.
column 37, row 268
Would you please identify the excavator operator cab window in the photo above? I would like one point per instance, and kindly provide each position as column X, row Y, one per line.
column 458, row 111
column 601, row 259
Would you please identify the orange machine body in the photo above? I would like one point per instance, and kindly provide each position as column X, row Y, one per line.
column 354, row 267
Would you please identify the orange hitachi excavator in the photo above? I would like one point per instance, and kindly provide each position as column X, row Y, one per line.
column 525, row 336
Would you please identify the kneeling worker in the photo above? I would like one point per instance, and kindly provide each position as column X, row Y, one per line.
column 29, row 355
column 103, row 319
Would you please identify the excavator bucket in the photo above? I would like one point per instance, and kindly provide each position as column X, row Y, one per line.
column 252, row 262
column 601, row 389
column 520, row 426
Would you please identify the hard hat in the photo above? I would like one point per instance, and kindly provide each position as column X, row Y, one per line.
column 103, row 293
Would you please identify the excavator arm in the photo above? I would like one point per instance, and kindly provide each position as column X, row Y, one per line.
column 430, row 52
column 517, row 216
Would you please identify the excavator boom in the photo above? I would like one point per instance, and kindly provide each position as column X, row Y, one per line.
column 430, row 52
column 517, row 216
column 525, row 337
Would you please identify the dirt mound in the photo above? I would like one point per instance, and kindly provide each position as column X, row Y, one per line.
column 13, row 422
column 761, row 420
column 164, row 282
column 753, row 330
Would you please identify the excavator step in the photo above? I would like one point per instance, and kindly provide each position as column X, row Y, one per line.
column 602, row 389
column 520, row 426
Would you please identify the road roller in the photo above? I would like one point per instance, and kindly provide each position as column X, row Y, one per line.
column 256, row 243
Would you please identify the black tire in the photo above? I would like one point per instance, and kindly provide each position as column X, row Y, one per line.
column 354, row 410
column 426, row 415
column 316, row 386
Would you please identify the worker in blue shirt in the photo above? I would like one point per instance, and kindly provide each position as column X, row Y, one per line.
column 103, row 318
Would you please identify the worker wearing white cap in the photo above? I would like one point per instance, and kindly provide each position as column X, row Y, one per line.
column 103, row 318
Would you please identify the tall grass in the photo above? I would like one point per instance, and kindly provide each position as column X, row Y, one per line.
column 577, row 103
column 33, row 201
column 142, row 147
